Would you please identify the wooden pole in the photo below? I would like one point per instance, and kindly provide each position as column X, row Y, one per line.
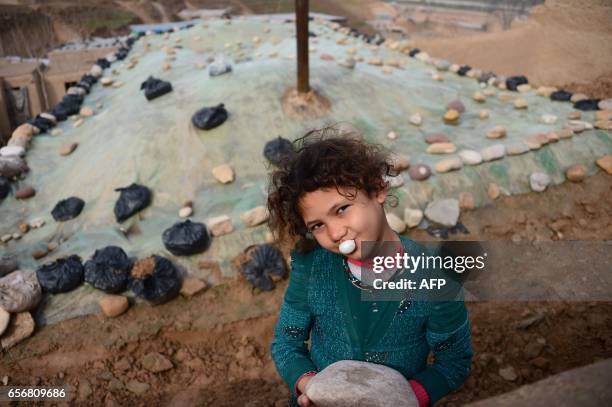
column 301, row 25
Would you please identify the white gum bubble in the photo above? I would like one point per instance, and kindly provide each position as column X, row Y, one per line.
column 347, row 247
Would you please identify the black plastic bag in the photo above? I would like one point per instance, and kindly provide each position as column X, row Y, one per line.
column 159, row 284
column 209, row 117
column 83, row 85
column 155, row 88
column 561, row 96
column 43, row 124
column 278, row 150
column 122, row 53
column 5, row 187
column 260, row 263
column 513, row 82
column 89, row 79
column 413, row 52
column 108, row 270
column 67, row 209
column 464, row 69
column 587, row 105
column 103, row 63
column 186, row 238
column 62, row 275
column 70, row 104
column 132, row 199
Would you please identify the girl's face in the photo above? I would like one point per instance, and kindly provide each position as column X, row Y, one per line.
column 333, row 218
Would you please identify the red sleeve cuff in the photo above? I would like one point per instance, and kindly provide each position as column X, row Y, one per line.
column 420, row 393
column 307, row 374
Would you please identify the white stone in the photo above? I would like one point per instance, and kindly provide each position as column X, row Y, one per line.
column 449, row 164
column 21, row 327
column 493, row 152
column 605, row 104
column 395, row 182
column 223, row 173
column 349, row 383
column 443, row 211
column 539, row 181
column 441, row 148
column 398, row 225
column 96, row 71
column 496, row 132
column 49, row 116
column 413, row 217
column 416, row 119
column 347, row 63
column 392, row 135
column 255, row 216
column 185, row 212
column 5, row 318
column 517, row 147
column 37, row 223
column 12, row 150
column 220, row 225
column 19, row 291
column 470, row 157
column 548, row 118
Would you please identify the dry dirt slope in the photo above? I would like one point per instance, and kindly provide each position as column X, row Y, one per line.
column 564, row 42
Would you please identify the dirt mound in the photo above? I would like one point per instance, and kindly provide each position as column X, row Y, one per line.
column 218, row 342
column 563, row 43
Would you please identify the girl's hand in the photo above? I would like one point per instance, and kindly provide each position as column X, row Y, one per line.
column 303, row 400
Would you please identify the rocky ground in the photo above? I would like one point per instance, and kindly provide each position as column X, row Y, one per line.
column 213, row 349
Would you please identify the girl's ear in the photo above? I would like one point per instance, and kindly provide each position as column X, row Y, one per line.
column 381, row 195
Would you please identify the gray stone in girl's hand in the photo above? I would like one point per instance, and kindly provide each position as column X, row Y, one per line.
column 349, row 383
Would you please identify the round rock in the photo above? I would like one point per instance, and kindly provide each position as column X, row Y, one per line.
column 493, row 152
column 5, row 318
column 419, row 172
column 396, row 224
column 456, row 105
column 496, row 132
column 605, row 104
column 20, row 328
column 539, row 181
column 25, row 192
column 451, row 116
column 18, row 151
column 412, row 217
column 576, row 173
column 20, row 291
column 470, row 157
column 443, row 211
column 437, row 138
column 113, row 305
column 441, row 148
column 449, row 164
column 349, row 383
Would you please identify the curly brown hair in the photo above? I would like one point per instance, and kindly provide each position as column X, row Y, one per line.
column 323, row 158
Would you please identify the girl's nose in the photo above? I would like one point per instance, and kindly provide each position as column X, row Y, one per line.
column 336, row 232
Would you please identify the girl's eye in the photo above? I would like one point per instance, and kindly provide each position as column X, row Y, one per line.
column 315, row 227
column 342, row 209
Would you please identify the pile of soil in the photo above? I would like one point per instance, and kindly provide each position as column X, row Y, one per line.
column 564, row 43
column 218, row 342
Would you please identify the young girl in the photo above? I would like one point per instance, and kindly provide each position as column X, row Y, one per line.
column 332, row 190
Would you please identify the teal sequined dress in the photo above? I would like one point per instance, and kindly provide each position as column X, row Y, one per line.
column 323, row 304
